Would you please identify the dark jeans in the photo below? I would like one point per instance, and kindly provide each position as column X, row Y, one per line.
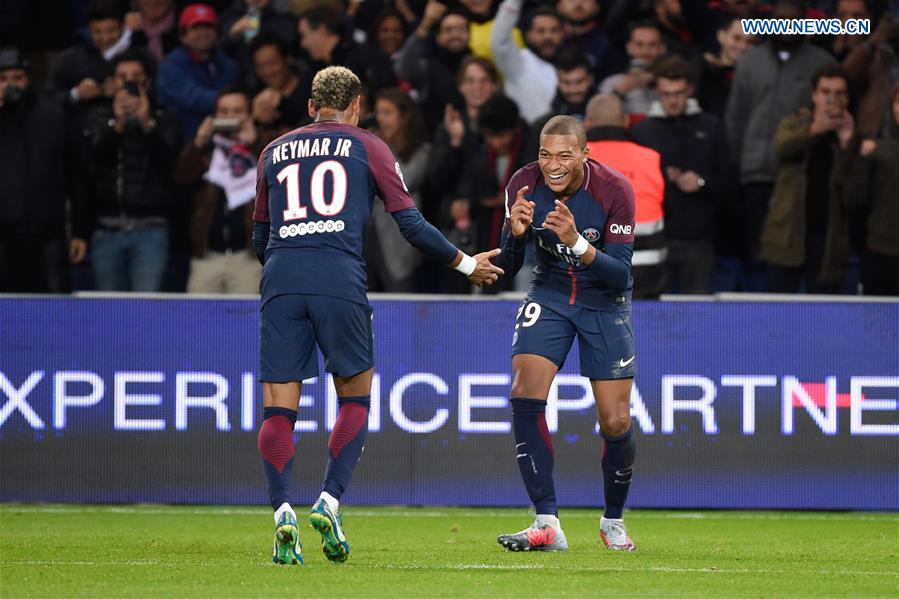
column 756, row 197
column 34, row 266
column 691, row 264
column 802, row 279
column 130, row 260
column 879, row 274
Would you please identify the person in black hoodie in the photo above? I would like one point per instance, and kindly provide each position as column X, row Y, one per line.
column 698, row 173
column 33, row 147
column 132, row 149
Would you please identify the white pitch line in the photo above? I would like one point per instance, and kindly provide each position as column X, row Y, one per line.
column 462, row 567
column 413, row 512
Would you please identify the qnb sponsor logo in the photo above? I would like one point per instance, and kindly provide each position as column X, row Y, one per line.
column 805, row 26
column 311, row 228
column 621, row 229
column 426, row 402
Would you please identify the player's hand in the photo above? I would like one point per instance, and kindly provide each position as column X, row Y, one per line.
column 522, row 213
column 561, row 222
column 77, row 250
column 867, row 147
column 486, row 273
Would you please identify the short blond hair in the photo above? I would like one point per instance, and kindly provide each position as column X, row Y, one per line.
column 335, row 88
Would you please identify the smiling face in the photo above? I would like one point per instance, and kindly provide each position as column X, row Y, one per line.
column 476, row 86
column 391, row 34
column 562, row 163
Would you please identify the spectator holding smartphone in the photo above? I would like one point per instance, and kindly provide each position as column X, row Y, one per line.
column 219, row 164
column 634, row 86
column 131, row 148
column 805, row 240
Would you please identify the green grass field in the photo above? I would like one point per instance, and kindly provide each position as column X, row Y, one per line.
column 160, row 551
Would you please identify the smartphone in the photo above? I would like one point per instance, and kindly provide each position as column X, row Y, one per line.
column 132, row 88
column 225, row 125
column 639, row 64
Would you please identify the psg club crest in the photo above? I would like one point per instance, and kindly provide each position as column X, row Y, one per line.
column 591, row 235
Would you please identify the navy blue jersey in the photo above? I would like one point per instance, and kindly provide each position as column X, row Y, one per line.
column 316, row 185
column 603, row 210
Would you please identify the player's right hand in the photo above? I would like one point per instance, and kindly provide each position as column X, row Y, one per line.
column 522, row 213
column 486, row 273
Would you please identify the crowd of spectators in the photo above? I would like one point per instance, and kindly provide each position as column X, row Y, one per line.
column 129, row 133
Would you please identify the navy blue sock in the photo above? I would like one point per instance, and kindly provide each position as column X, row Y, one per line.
column 534, row 449
column 346, row 443
column 617, row 467
column 277, row 449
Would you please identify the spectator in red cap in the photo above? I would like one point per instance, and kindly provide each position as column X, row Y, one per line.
column 191, row 77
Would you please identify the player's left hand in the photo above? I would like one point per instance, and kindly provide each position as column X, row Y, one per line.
column 486, row 273
column 561, row 222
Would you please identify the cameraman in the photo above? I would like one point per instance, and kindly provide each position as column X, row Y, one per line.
column 220, row 165
column 132, row 147
column 33, row 249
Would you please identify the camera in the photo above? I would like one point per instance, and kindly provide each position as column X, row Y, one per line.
column 132, row 88
column 12, row 95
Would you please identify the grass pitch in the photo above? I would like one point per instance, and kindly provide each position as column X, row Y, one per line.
column 160, row 551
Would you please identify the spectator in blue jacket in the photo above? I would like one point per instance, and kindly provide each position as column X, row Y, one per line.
column 192, row 76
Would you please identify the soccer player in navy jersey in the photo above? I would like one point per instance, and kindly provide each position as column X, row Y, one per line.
column 314, row 192
column 580, row 215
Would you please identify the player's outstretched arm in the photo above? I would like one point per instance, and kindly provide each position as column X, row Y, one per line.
column 422, row 234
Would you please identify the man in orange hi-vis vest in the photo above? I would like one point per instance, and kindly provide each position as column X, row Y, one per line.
column 610, row 143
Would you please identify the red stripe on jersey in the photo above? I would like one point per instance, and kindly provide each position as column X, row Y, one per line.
column 573, row 285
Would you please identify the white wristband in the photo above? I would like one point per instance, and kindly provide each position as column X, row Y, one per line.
column 468, row 264
column 580, row 246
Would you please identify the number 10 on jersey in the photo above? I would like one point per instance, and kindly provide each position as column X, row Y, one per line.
column 325, row 207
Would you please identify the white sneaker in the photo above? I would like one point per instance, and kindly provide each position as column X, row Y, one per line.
column 614, row 535
column 545, row 534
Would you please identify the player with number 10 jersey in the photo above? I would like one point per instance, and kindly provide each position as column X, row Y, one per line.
column 314, row 193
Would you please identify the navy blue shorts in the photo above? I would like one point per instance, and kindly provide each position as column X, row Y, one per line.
column 605, row 339
column 293, row 324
